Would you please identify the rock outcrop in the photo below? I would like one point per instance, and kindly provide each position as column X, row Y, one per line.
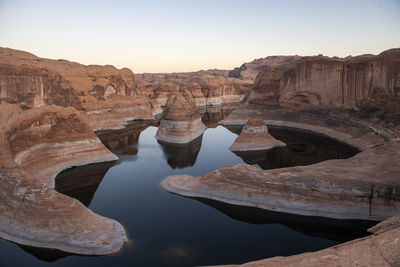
column 249, row 71
column 105, row 96
column 181, row 121
column 35, row 146
column 208, row 88
column 364, row 186
column 33, row 81
column 255, row 137
column 321, row 82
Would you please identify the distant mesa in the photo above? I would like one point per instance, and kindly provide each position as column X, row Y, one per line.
column 180, row 121
column 255, row 137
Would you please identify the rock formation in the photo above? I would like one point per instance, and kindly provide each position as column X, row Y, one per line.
column 208, row 88
column 104, row 95
column 322, row 82
column 249, row 71
column 255, row 137
column 181, row 121
column 364, row 186
column 35, row 146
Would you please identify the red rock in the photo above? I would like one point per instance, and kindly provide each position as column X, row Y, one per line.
column 255, row 136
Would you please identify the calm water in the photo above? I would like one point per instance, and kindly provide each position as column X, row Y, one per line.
column 170, row 230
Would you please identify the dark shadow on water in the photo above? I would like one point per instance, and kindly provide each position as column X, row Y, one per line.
column 332, row 229
column 302, row 149
column 181, row 155
column 48, row 255
column 82, row 182
column 124, row 141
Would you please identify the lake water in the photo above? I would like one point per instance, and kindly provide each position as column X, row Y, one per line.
column 170, row 230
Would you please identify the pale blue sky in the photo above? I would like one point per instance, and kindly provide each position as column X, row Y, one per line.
column 185, row 35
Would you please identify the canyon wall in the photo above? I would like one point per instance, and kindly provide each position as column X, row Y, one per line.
column 323, row 82
column 208, row 88
column 35, row 81
column 249, row 70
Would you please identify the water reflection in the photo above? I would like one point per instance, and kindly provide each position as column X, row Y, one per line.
column 211, row 115
column 48, row 255
column 302, row 149
column 82, row 182
column 332, row 229
column 181, row 155
column 124, row 141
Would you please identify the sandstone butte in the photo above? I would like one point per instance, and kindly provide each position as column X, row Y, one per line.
column 255, row 136
column 180, row 120
column 355, row 101
column 49, row 109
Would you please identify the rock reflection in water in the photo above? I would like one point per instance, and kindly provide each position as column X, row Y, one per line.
column 181, row 155
column 82, row 182
column 332, row 229
column 211, row 115
column 302, row 149
column 124, row 141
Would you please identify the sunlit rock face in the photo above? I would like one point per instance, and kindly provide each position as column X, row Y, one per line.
column 181, row 121
column 255, row 137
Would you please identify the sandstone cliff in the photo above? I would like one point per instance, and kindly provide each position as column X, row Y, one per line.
column 210, row 87
column 249, row 71
column 323, row 82
column 34, row 81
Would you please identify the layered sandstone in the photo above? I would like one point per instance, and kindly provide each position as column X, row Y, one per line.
column 321, row 82
column 180, row 121
column 33, row 81
column 364, row 186
column 249, row 71
column 255, row 137
column 35, row 146
column 208, row 88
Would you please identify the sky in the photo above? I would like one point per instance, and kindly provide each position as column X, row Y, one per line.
column 188, row 35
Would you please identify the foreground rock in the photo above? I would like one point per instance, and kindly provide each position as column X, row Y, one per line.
column 255, row 136
column 35, row 146
column 181, row 121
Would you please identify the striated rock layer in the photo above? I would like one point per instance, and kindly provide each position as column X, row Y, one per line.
column 365, row 186
column 35, row 146
column 249, row 71
column 321, row 82
column 181, row 121
column 208, row 88
column 255, row 136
